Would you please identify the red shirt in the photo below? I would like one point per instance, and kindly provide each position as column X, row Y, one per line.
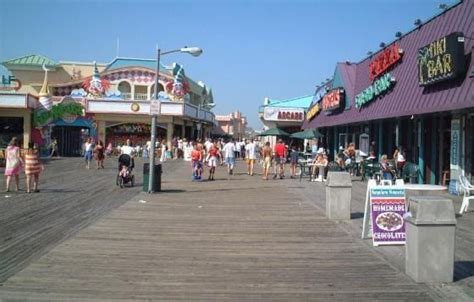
column 196, row 155
column 213, row 151
column 280, row 150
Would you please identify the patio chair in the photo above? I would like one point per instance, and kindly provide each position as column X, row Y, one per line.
column 370, row 170
column 467, row 189
column 410, row 172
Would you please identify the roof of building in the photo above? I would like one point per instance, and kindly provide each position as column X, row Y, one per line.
column 121, row 62
column 407, row 97
column 30, row 60
column 299, row 102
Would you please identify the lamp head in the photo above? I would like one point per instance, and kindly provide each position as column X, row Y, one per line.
column 194, row 51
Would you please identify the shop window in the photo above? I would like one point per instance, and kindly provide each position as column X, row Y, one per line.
column 125, row 89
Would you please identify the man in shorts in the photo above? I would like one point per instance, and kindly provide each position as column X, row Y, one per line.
column 196, row 159
column 280, row 157
column 229, row 155
column 251, row 154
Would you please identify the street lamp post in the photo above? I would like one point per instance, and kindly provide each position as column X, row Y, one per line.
column 194, row 51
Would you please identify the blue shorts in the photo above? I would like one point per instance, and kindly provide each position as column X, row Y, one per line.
column 230, row 161
column 88, row 155
column 197, row 164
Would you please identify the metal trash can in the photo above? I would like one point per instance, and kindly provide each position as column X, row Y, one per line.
column 338, row 195
column 157, row 179
column 430, row 239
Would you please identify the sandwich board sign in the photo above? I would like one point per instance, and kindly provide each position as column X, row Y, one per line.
column 385, row 208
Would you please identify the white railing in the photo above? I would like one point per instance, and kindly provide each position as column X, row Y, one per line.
column 136, row 96
column 141, row 96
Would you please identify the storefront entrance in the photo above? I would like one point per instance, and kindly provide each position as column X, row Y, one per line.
column 10, row 127
column 70, row 139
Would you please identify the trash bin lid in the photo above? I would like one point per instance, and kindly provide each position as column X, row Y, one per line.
column 339, row 179
column 434, row 210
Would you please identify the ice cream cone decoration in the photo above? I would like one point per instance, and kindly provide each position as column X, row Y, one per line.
column 45, row 98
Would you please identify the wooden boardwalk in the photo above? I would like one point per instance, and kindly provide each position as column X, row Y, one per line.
column 237, row 239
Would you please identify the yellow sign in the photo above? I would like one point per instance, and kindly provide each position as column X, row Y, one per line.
column 135, row 107
column 313, row 111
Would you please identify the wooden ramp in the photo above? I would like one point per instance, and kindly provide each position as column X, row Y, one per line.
column 238, row 238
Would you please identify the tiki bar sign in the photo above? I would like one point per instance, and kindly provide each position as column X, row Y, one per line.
column 384, row 61
column 441, row 60
column 379, row 87
column 333, row 99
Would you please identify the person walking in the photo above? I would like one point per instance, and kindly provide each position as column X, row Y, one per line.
column 251, row 154
column 212, row 155
column 33, row 168
column 88, row 149
column 99, row 154
column 294, row 155
column 54, row 148
column 14, row 163
column 229, row 156
column 280, row 156
column 196, row 158
column 130, row 151
column 267, row 159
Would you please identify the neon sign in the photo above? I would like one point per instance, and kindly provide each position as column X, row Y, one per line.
column 378, row 88
column 333, row 99
column 313, row 111
column 389, row 57
column 441, row 60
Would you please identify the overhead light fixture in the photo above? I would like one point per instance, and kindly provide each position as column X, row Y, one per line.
column 418, row 22
column 398, row 34
column 369, row 53
column 382, row 45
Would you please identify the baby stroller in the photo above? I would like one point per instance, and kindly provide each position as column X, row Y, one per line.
column 125, row 168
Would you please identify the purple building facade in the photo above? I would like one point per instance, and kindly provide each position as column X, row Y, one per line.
column 417, row 93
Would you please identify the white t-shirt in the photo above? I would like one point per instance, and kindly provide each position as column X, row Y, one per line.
column 251, row 151
column 128, row 150
column 400, row 157
column 89, row 147
column 229, row 150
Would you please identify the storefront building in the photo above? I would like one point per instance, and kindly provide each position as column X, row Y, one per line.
column 287, row 115
column 233, row 125
column 416, row 93
column 109, row 102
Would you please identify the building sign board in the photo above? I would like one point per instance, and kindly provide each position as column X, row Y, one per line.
column 313, row 111
column 379, row 87
column 10, row 83
column 283, row 114
column 333, row 99
column 384, row 61
column 387, row 208
column 441, row 60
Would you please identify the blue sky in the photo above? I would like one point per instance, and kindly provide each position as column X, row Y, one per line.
column 252, row 49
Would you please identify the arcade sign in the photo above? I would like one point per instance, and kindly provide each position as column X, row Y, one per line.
column 378, row 88
column 283, row 114
column 441, row 60
column 389, row 57
column 333, row 99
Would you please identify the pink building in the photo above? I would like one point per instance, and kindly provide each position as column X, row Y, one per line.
column 233, row 124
